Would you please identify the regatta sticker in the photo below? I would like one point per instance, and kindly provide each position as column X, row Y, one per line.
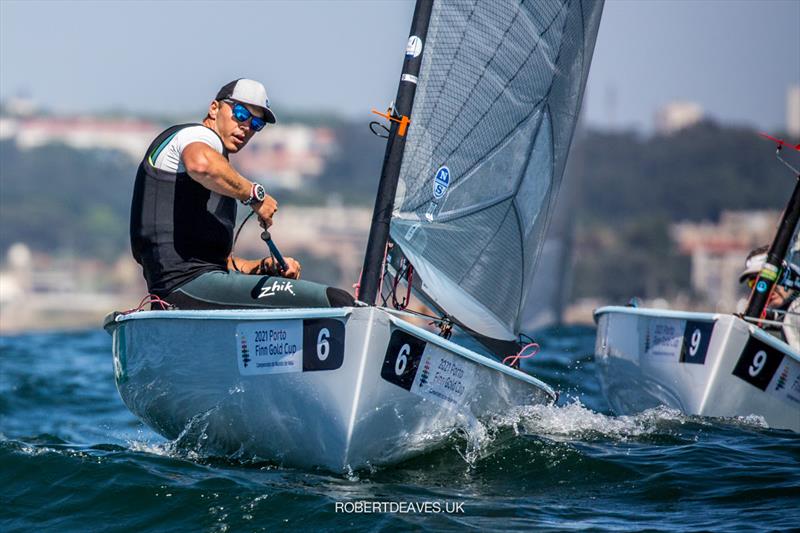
column 696, row 338
column 442, row 377
column 758, row 363
column 427, row 370
column 787, row 381
column 441, row 182
column 664, row 338
column 413, row 47
column 274, row 347
column 284, row 346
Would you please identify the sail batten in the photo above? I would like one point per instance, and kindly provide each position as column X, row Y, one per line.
column 499, row 91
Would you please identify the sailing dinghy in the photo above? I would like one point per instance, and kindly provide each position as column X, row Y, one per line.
column 707, row 364
column 465, row 194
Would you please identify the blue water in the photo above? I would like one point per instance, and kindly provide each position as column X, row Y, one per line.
column 72, row 458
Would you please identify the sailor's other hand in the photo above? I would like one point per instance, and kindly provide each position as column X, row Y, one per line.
column 265, row 210
column 293, row 272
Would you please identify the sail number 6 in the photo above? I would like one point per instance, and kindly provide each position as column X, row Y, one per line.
column 402, row 360
column 323, row 345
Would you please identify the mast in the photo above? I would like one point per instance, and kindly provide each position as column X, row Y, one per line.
column 771, row 271
column 393, row 158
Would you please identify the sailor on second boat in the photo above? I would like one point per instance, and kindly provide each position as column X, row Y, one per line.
column 184, row 210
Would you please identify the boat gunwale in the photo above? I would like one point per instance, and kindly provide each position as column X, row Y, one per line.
column 337, row 312
column 754, row 330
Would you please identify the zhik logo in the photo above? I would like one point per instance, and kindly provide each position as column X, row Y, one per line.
column 276, row 287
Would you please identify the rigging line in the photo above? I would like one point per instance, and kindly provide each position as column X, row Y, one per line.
column 236, row 238
column 754, row 320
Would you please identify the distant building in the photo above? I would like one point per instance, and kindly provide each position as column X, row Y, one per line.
column 718, row 252
column 284, row 154
column 131, row 136
column 20, row 106
column 793, row 111
column 280, row 156
column 677, row 115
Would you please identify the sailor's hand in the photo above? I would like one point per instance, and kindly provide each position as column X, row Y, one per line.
column 271, row 267
column 265, row 210
column 293, row 272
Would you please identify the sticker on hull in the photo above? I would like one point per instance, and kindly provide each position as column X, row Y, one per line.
column 286, row 346
column 696, row 338
column 685, row 341
column 758, row 363
column 427, row 370
column 664, row 338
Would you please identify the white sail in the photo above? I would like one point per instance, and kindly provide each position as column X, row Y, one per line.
column 497, row 100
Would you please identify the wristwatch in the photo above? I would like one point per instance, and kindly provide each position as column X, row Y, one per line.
column 257, row 194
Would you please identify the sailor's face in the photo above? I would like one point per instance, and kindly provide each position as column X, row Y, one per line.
column 235, row 134
column 777, row 297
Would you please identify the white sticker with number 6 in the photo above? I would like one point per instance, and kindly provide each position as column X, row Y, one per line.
column 402, row 360
column 758, row 363
column 323, row 346
column 695, row 343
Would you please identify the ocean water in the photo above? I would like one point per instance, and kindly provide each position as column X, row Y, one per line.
column 73, row 458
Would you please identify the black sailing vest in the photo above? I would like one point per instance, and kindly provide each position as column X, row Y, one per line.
column 179, row 229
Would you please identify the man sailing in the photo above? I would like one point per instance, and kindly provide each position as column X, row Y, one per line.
column 184, row 211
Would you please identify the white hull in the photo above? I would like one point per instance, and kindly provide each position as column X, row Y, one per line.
column 369, row 389
column 702, row 364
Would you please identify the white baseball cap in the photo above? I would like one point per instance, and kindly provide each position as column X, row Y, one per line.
column 248, row 92
column 753, row 265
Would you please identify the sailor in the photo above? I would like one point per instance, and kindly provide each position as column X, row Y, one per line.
column 184, row 209
column 783, row 304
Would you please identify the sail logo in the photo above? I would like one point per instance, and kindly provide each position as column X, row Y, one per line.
column 276, row 287
column 414, row 46
column 441, row 182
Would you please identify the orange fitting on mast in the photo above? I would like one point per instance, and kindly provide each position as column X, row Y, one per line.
column 404, row 121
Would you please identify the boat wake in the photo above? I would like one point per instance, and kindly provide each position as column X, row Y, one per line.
column 472, row 442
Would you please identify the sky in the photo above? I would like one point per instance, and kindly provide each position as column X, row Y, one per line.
column 736, row 58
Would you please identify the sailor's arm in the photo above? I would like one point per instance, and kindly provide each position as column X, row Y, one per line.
column 264, row 266
column 211, row 170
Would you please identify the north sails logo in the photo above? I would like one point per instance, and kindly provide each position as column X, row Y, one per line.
column 276, row 287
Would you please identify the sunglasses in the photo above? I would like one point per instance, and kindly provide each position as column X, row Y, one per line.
column 750, row 282
column 242, row 114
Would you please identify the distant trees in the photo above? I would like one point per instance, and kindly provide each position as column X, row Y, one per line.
column 632, row 188
column 57, row 199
